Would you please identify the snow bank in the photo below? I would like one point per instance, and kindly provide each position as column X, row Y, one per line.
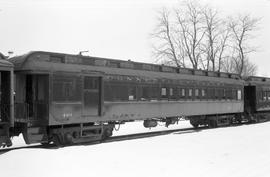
column 224, row 152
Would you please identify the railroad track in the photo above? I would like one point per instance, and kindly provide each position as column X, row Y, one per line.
column 118, row 138
column 4, row 150
column 151, row 134
column 111, row 139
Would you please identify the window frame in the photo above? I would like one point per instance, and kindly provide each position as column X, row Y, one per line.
column 239, row 94
column 190, row 93
column 163, row 93
column 203, row 93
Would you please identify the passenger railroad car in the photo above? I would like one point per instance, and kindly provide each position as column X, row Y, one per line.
column 257, row 97
column 72, row 98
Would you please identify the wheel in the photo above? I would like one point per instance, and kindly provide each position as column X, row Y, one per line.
column 212, row 123
column 107, row 133
column 195, row 125
column 57, row 140
column 68, row 140
column 194, row 122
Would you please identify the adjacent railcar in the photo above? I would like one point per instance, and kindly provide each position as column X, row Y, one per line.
column 6, row 102
column 257, row 98
column 71, row 98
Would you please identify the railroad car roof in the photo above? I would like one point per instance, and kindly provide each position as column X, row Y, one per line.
column 253, row 80
column 5, row 64
column 53, row 62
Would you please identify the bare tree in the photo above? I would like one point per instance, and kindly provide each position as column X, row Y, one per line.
column 217, row 34
column 242, row 28
column 250, row 69
column 222, row 46
column 180, row 40
column 191, row 28
column 211, row 23
column 227, row 65
column 169, row 47
column 194, row 35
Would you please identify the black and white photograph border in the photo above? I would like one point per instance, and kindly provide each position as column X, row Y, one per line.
column 134, row 88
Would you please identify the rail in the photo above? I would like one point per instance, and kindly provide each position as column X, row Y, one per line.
column 111, row 139
column 121, row 138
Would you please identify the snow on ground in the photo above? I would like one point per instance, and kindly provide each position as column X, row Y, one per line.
column 241, row 151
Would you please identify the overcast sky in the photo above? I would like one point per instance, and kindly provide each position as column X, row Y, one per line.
column 113, row 28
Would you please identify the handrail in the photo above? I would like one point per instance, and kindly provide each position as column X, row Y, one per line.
column 5, row 112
